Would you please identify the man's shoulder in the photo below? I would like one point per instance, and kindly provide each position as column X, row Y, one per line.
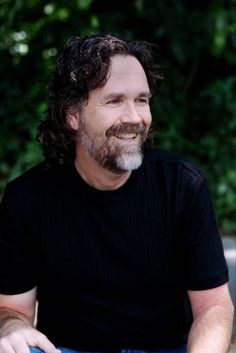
column 29, row 176
column 33, row 180
column 172, row 163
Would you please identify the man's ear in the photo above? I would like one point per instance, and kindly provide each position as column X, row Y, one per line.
column 72, row 117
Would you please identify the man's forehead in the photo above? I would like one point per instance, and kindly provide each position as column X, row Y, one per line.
column 125, row 77
column 125, row 64
column 126, row 71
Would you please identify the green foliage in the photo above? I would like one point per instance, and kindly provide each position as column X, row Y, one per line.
column 195, row 111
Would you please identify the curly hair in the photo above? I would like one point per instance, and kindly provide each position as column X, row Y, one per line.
column 82, row 66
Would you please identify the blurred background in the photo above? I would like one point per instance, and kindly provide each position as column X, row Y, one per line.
column 195, row 111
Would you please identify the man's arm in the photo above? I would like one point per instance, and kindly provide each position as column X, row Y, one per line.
column 212, row 320
column 16, row 320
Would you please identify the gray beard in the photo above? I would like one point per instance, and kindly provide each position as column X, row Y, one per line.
column 109, row 155
column 117, row 159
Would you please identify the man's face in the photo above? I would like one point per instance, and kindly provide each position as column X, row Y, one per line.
column 114, row 123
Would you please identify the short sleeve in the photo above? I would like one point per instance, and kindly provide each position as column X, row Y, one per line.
column 17, row 246
column 201, row 250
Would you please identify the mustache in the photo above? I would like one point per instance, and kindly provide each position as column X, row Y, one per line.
column 126, row 128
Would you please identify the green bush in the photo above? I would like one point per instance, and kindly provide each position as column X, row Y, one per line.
column 195, row 111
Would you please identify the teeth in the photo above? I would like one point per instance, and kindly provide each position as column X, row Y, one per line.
column 126, row 136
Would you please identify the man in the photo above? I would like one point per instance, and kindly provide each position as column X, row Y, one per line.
column 108, row 234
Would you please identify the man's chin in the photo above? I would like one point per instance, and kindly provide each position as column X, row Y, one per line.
column 126, row 163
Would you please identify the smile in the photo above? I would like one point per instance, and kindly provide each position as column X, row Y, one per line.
column 126, row 136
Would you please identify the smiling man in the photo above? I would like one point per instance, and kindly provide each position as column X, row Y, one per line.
column 113, row 125
column 109, row 234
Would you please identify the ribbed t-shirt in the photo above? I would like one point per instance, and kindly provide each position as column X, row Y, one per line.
column 112, row 268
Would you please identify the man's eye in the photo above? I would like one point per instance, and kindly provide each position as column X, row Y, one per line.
column 142, row 101
column 114, row 101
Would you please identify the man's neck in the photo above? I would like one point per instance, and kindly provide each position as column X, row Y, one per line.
column 98, row 177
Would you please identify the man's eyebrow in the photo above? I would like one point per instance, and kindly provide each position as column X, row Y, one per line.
column 145, row 94
column 113, row 96
column 116, row 95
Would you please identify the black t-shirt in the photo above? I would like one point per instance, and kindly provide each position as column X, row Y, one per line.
column 112, row 267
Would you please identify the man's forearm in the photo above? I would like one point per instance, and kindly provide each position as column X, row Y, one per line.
column 17, row 334
column 9, row 317
column 211, row 332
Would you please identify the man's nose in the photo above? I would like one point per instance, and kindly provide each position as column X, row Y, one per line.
column 131, row 114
